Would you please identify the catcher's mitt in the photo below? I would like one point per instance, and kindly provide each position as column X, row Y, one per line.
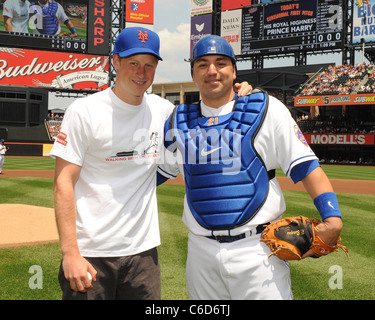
column 64, row 34
column 290, row 238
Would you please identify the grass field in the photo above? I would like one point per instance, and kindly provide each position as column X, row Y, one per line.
column 332, row 171
column 328, row 278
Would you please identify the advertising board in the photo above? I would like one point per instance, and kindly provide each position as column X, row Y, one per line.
column 24, row 67
column 81, row 26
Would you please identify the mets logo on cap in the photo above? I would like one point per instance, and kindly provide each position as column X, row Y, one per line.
column 143, row 35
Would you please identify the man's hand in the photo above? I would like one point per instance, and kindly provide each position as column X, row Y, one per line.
column 75, row 271
column 242, row 88
column 329, row 231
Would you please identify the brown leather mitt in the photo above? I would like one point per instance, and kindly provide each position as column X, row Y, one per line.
column 290, row 238
column 64, row 34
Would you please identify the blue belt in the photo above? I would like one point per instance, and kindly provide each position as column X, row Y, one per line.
column 223, row 239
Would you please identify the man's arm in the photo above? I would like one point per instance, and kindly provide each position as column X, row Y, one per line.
column 8, row 24
column 72, row 29
column 317, row 183
column 74, row 265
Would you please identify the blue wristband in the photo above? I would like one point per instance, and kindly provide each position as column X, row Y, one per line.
column 327, row 205
column 73, row 30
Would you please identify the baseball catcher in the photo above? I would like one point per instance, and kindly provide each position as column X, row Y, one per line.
column 290, row 238
column 47, row 15
column 228, row 204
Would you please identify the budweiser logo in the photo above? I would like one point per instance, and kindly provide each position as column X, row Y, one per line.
column 47, row 69
column 35, row 68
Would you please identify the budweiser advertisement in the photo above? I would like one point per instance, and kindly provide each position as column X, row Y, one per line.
column 34, row 68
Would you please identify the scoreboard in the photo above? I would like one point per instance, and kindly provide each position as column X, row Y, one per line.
column 292, row 26
column 47, row 42
column 91, row 19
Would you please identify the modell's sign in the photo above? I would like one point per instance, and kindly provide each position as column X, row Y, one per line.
column 34, row 68
column 346, row 139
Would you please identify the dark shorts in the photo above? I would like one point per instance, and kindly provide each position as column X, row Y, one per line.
column 134, row 277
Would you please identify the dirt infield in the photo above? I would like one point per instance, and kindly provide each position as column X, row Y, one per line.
column 27, row 173
column 21, row 224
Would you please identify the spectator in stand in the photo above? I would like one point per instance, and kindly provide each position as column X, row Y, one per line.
column 342, row 79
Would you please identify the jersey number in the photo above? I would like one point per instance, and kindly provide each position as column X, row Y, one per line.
column 212, row 121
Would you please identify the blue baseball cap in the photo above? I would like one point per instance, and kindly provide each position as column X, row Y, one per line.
column 137, row 40
column 212, row 45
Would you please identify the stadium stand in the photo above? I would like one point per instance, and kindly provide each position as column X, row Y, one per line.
column 342, row 79
column 340, row 120
column 53, row 124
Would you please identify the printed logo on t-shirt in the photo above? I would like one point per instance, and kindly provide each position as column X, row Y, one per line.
column 300, row 135
column 145, row 149
column 61, row 138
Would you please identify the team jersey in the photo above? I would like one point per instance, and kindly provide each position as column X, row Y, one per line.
column 18, row 11
column 279, row 143
column 118, row 147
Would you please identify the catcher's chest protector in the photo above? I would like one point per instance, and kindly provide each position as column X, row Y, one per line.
column 226, row 180
column 50, row 22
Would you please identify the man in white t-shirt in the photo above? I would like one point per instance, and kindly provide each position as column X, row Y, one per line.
column 16, row 15
column 107, row 153
column 105, row 179
column 227, row 150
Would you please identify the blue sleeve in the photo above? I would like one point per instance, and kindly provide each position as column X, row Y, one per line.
column 168, row 140
column 160, row 179
column 301, row 170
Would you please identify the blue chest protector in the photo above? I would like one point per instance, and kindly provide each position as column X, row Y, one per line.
column 226, row 180
column 48, row 14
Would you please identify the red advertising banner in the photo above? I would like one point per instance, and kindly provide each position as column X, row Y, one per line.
column 331, row 100
column 140, row 11
column 98, row 30
column 34, row 68
column 234, row 4
column 342, row 139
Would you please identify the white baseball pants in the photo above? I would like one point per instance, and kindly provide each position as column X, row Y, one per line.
column 1, row 161
column 240, row 270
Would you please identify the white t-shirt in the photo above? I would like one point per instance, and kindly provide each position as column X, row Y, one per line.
column 18, row 11
column 118, row 146
column 279, row 143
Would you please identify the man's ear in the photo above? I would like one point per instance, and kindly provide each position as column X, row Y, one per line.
column 116, row 61
column 192, row 74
